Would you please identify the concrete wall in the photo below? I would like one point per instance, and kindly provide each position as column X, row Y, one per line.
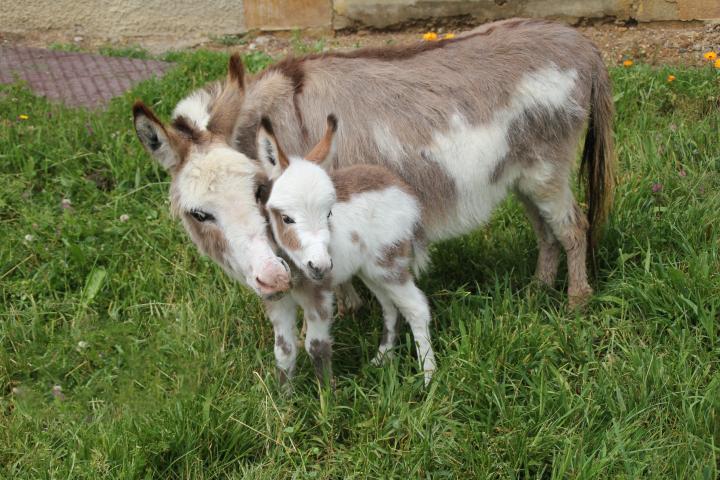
column 385, row 13
column 177, row 23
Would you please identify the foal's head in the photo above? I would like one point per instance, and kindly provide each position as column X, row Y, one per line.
column 300, row 203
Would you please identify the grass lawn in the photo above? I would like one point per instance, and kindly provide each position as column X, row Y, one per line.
column 124, row 354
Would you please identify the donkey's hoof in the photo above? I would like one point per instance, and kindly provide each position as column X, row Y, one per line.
column 539, row 285
column 579, row 300
column 348, row 300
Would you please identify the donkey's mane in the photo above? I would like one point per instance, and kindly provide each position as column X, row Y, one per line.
column 292, row 66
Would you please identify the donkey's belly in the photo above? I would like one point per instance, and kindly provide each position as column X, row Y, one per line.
column 475, row 157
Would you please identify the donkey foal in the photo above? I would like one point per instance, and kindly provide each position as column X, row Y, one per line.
column 360, row 220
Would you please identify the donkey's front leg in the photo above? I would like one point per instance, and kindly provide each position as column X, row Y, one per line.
column 318, row 308
column 282, row 315
column 347, row 298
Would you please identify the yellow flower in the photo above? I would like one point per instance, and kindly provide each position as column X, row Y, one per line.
column 628, row 63
column 430, row 37
column 710, row 56
column 23, row 117
column 449, row 36
column 717, row 63
column 671, row 78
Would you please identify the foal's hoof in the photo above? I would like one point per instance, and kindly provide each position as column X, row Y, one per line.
column 428, row 374
column 285, row 383
column 381, row 357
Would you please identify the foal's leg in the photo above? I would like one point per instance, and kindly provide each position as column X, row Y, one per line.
column 554, row 199
column 282, row 315
column 317, row 305
column 413, row 305
column 390, row 315
column 548, row 246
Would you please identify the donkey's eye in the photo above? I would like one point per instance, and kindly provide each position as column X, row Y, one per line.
column 287, row 219
column 201, row 216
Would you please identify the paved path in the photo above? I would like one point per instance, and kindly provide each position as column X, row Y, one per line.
column 76, row 79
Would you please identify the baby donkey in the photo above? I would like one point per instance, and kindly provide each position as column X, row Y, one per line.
column 360, row 220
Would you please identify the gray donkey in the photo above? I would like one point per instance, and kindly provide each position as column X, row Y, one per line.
column 462, row 122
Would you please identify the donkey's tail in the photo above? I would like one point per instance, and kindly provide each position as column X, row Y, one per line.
column 598, row 161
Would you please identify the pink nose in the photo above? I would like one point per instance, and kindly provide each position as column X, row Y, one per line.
column 274, row 277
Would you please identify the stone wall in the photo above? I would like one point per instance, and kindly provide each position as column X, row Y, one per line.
column 386, row 13
column 182, row 23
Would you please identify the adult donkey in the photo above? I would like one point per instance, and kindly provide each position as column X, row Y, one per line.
column 462, row 121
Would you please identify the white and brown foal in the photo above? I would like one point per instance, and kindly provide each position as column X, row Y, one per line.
column 360, row 220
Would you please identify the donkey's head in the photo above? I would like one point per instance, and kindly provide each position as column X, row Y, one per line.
column 215, row 189
column 301, row 199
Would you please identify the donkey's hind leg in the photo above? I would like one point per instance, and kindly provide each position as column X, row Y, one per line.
column 548, row 187
column 548, row 246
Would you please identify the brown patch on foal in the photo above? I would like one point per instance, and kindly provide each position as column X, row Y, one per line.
column 390, row 260
column 321, row 353
column 283, row 345
column 287, row 235
column 364, row 178
column 316, row 293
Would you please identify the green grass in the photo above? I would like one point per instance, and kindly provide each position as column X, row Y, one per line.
column 166, row 366
column 229, row 40
column 65, row 47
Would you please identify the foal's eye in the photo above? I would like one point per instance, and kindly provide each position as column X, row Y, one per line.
column 329, row 214
column 201, row 216
column 287, row 219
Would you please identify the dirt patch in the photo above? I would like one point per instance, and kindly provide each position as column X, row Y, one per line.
column 673, row 43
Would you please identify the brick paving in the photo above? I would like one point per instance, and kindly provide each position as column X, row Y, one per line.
column 76, row 79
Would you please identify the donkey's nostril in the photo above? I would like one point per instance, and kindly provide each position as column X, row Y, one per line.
column 284, row 264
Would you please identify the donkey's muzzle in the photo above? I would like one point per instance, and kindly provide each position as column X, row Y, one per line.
column 274, row 277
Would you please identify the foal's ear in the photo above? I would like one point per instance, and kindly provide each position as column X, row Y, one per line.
column 236, row 72
column 272, row 158
column 154, row 136
column 324, row 151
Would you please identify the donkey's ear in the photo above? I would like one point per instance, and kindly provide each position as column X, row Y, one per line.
column 324, row 151
column 154, row 136
column 272, row 158
column 236, row 71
